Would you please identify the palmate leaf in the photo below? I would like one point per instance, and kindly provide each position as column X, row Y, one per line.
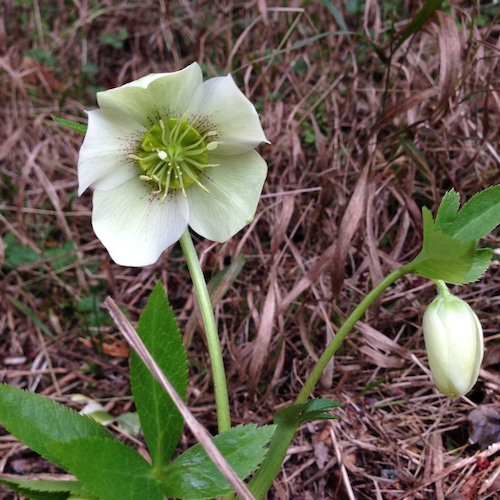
column 38, row 421
column 193, row 475
column 443, row 258
column 160, row 420
column 449, row 250
column 108, row 469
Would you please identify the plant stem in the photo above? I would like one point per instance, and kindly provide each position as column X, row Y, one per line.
column 344, row 330
column 282, row 438
column 212, row 335
column 443, row 289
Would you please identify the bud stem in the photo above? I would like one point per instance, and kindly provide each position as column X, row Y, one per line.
column 443, row 289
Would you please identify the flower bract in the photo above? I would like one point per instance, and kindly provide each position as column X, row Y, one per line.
column 167, row 151
column 454, row 343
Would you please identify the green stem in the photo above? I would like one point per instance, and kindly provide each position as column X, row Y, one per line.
column 213, row 342
column 443, row 289
column 283, row 436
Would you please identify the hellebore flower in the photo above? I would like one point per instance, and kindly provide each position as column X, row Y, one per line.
column 454, row 342
column 167, row 151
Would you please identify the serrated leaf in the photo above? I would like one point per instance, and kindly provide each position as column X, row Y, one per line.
column 46, row 490
column 37, row 421
column 479, row 216
column 317, row 409
column 193, row 475
column 447, row 211
column 160, row 420
column 108, row 469
column 481, row 263
column 77, row 127
column 444, row 258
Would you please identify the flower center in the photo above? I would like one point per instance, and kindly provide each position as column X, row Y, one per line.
column 172, row 154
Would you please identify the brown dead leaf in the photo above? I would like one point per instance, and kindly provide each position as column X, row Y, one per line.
column 117, row 349
column 264, row 334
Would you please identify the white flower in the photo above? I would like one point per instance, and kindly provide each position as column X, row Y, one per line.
column 454, row 342
column 167, row 151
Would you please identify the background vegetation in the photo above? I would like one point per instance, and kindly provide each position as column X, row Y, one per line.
column 368, row 123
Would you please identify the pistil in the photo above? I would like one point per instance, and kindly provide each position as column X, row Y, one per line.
column 173, row 153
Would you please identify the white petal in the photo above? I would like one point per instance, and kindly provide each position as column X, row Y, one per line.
column 234, row 191
column 134, row 226
column 223, row 104
column 103, row 161
column 162, row 94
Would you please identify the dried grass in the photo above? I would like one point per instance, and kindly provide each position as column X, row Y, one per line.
column 358, row 147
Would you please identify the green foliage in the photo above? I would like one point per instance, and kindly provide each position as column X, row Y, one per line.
column 161, row 421
column 115, row 40
column 108, row 468
column 61, row 257
column 479, row 216
column 41, row 56
column 317, row 409
column 193, row 475
column 16, row 254
column 47, row 490
column 449, row 250
column 77, row 127
column 89, row 306
column 38, row 421
column 298, row 414
column 420, row 19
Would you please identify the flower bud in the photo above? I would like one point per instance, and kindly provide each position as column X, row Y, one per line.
column 454, row 342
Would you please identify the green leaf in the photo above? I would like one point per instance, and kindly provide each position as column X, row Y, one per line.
column 447, row 211
column 38, row 421
column 160, row 420
column 18, row 255
column 443, row 258
column 108, row 469
column 449, row 250
column 337, row 15
column 482, row 259
column 421, row 18
column 317, row 409
column 298, row 414
column 46, row 490
column 77, row 127
column 479, row 216
column 193, row 475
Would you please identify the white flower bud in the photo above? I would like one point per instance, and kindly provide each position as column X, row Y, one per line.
column 454, row 342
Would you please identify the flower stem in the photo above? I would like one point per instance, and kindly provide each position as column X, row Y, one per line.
column 283, row 436
column 443, row 289
column 212, row 335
